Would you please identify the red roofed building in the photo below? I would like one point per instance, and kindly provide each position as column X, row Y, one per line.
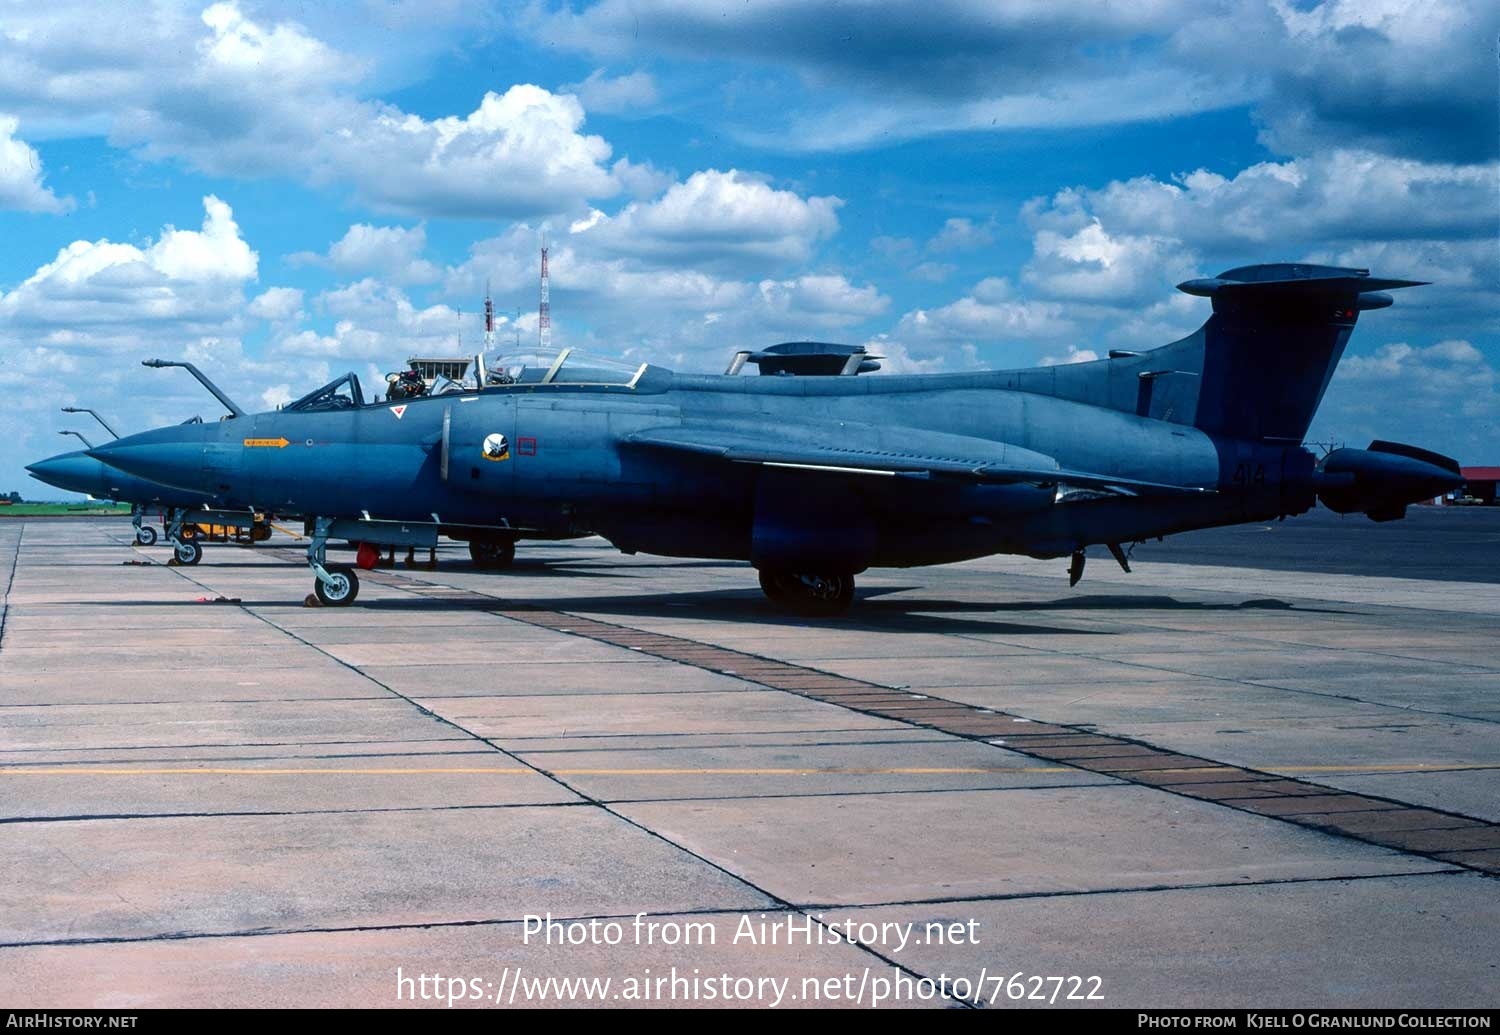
column 1481, row 483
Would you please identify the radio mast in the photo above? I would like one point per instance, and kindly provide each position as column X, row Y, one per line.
column 489, row 319
column 544, row 309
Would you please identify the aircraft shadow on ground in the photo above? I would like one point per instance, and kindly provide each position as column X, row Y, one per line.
column 876, row 610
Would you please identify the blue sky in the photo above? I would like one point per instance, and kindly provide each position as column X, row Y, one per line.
column 283, row 191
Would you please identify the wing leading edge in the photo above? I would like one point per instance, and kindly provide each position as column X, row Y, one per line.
column 886, row 451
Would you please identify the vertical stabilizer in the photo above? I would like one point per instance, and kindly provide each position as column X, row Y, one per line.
column 1271, row 346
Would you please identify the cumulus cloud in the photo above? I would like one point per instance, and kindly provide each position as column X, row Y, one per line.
column 21, row 175
column 102, row 293
column 1105, row 259
column 718, row 218
column 602, row 93
column 690, row 316
column 519, row 152
column 1406, row 79
column 276, row 305
column 1447, row 396
column 237, row 96
column 1093, row 265
column 896, row 358
column 1073, row 355
column 276, row 396
column 241, row 98
column 1123, row 246
column 990, row 316
column 818, row 301
column 934, row 272
column 1329, row 196
column 961, row 235
column 103, row 305
column 377, row 322
column 395, row 253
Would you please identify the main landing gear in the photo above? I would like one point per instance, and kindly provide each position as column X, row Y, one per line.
column 814, row 596
column 493, row 554
column 335, row 587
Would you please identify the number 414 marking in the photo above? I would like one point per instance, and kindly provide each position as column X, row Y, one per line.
column 1250, row 474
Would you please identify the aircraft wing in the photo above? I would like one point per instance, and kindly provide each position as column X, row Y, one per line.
column 847, row 448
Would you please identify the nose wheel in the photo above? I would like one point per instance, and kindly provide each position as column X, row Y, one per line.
column 335, row 587
column 339, row 590
column 812, row 595
column 145, row 535
column 179, row 535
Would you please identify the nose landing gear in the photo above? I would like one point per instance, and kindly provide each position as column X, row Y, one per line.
column 340, row 589
column 185, row 549
column 335, row 588
column 145, row 535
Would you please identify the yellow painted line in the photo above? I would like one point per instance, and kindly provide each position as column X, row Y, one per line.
column 512, row 771
column 220, row 771
column 86, row 770
column 905, row 771
column 266, row 443
column 1393, row 767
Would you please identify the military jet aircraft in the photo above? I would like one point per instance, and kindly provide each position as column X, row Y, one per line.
column 816, row 479
column 79, row 472
column 91, row 472
column 183, row 510
column 186, row 510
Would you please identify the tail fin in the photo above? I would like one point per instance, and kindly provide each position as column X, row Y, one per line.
column 1270, row 348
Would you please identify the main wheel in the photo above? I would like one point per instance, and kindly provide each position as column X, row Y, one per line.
column 492, row 555
column 145, row 535
column 342, row 591
column 816, row 596
column 188, row 552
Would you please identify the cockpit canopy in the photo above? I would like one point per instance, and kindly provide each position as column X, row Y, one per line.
column 342, row 393
column 560, row 367
column 557, row 367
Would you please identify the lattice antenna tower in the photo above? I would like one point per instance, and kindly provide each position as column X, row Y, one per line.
column 489, row 319
column 544, row 308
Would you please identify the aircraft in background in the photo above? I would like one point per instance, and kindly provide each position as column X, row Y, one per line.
column 816, row 479
column 79, row 472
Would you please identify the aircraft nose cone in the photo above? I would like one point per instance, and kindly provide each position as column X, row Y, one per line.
column 171, row 463
column 75, row 472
